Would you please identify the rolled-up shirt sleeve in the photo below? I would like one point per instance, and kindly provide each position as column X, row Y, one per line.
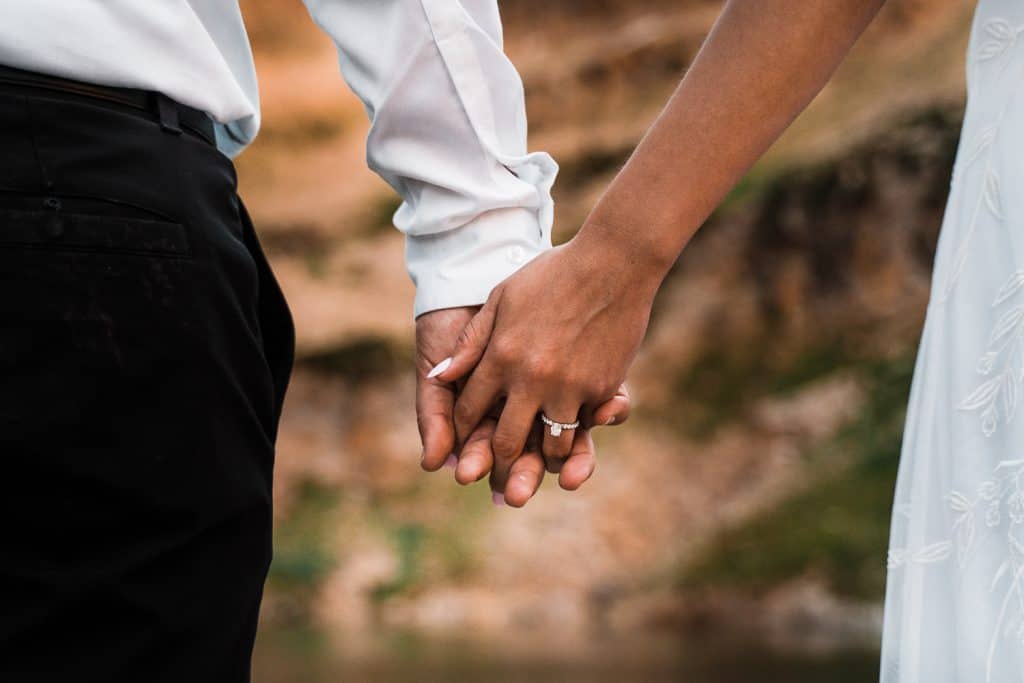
column 448, row 134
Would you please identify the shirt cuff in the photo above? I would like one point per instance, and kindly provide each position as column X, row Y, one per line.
column 460, row 267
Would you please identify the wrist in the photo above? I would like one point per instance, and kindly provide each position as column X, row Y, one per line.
column 602, row 274
column 623, row 250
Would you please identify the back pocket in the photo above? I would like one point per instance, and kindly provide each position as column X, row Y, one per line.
column 72, row 224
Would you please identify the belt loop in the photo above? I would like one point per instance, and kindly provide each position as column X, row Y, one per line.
column 168, row 113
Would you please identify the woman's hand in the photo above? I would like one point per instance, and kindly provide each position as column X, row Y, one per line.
column 436, row 335
column 559, row 335
column 555, row 338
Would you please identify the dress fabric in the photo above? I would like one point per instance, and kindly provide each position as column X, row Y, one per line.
column 955, row 597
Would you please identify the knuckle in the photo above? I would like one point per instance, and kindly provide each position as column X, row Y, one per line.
column 464, row 412
column 581, row 382
column 503, row 351
column 606, row 390
column 595, row 389
column 543, row 370
column 504, row 446
column 576, row 376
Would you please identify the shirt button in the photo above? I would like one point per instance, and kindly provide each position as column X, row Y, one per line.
column 516, row 254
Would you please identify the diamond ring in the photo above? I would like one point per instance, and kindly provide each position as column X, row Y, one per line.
column 556, row 428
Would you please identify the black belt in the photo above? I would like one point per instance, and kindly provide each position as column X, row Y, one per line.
column 173, row 117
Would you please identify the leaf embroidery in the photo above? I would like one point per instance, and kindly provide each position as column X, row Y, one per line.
column 959, row 502
column 936, row 552
column 1010, row 287
column 1001, row 36
column 963, row 527
column 983, row 395
column 991, row 195
column 1000, row 29
column 1008, row 324
column 1000, row 573
column 1003, row 496
column 991, row 198
column 991, row 50
column 1009, row 397
column 986, row 136
column 1002, row 363
column 1005, row 490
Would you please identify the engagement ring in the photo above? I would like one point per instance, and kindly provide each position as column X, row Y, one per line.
column 557, row 427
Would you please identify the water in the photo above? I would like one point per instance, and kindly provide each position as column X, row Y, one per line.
column 305, row 656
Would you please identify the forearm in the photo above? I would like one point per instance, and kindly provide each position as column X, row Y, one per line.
column 762, row 64
column 448, row 134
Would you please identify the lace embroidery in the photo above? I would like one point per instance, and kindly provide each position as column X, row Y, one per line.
column 1003, row 363
column 1002, row 37
column 999, row 502
column 985, row 525
column 989, row 198
column 935, row 552
column 1002, row 500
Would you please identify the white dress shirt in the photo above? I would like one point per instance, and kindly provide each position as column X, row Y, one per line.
column 448, row 119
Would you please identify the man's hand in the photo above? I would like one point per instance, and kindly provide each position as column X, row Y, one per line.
column 556, row 337
column 518, row 475
column 436, row 335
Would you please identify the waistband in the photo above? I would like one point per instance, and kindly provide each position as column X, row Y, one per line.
column 173, row 117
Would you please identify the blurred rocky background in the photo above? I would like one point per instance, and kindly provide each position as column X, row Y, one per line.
column 737, row 526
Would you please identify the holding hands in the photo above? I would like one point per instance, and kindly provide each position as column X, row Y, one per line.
column 552, row 344
column 555, row 339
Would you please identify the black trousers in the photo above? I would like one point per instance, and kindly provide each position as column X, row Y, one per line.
column 145, row 348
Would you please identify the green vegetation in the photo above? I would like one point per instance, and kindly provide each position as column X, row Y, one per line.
column 408, row 540
column 837, row 529
column 722, row 384
column 431, row 549
column 301, row 558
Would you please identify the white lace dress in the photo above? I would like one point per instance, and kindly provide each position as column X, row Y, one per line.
column 955, row 599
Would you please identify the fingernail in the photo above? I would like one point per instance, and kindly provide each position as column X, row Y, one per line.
column 452, row 462
column 498, row 499
column 609, row 421
column 439, row 368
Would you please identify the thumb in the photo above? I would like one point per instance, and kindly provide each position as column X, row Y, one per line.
column 615, row 410
column 434, row 404
column 470, row 347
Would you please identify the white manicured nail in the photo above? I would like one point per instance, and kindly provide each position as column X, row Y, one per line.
column 440, row 367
